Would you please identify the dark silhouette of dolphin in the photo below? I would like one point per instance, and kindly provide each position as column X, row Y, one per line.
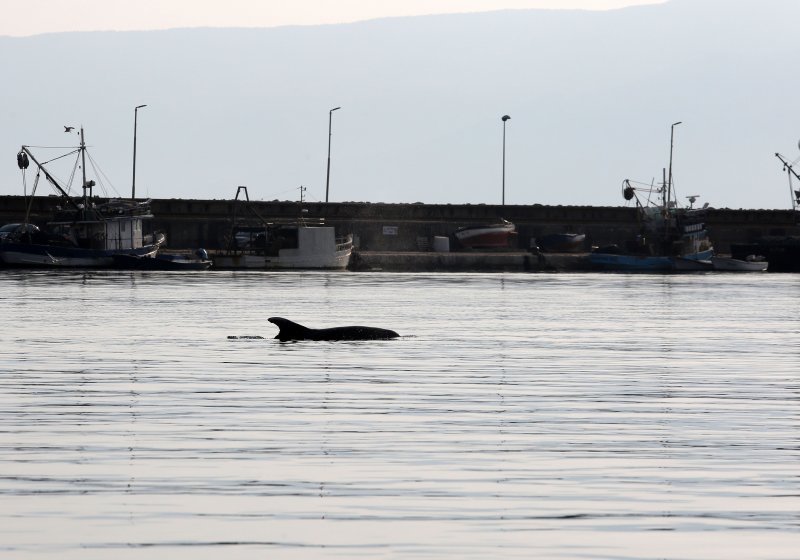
column 290, row 330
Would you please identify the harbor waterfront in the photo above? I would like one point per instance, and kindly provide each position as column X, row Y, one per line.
column 570, row 416
column 189, row 224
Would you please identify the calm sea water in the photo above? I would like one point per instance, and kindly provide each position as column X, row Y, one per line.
column 519, row 416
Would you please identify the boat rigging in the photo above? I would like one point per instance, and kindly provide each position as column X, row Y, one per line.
column 88, row 232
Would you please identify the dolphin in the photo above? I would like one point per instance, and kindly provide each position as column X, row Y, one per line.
column 290, row 330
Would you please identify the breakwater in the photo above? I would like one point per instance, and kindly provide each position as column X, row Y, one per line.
column 404, row 228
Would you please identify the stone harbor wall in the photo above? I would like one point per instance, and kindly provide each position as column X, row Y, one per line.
column 190, row 224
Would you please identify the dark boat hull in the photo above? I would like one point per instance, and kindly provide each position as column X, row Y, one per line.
column 160, row 262
column 561, row 242
column 30, row 255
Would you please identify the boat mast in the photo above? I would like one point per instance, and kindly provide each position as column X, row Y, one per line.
column 671, row 146
column 83, row 170
column 795, row 194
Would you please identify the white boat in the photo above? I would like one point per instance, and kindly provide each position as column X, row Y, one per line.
column 751, row 264
column 85, row 232
column 289, row 246
column 486, row 236
column 261, row 245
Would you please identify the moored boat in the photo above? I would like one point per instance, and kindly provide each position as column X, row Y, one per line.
column 85, row 232
column 255, row 243
column 781, row 252
column 487, row 236
column 561, row 242
column 669, row 237
column 289, row 246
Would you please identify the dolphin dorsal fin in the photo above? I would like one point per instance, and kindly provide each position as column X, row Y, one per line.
column 289, row 330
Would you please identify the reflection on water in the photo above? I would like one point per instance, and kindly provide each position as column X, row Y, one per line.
column 552, row 416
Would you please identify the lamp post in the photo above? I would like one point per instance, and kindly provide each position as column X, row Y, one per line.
column 504, row 119
column 135, row 117
column 328, row 178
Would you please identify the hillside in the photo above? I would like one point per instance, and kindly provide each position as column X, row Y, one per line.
column 591, row 96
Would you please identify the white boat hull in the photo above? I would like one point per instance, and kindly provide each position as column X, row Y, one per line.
column 337, row 261
column 736, row 265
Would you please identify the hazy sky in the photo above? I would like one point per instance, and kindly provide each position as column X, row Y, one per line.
column 592, row 96
column 46, row 16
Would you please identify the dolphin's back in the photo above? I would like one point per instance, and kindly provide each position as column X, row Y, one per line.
column 290, row 330
column 353, row 333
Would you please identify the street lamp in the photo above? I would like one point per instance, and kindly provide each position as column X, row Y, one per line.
column 135, row 117
column 504, row 119
column 328, row 179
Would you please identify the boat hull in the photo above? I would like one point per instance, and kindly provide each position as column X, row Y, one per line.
column 645, row 263
column 493, row 236
column 738, row 265
column 561, row 242
column 336, row 261
column 23, row 255
column 309, row 248
column 160, row 262
column 692, row 265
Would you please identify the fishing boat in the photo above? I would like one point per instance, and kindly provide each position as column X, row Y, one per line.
column 256, row 243
column 668, row 236
column 85, row 231
column 487, row 236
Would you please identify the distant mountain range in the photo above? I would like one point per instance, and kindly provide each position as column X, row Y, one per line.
column 591, row 97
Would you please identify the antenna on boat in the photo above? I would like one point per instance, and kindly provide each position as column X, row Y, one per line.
column 83, row 171
column 671, row 145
